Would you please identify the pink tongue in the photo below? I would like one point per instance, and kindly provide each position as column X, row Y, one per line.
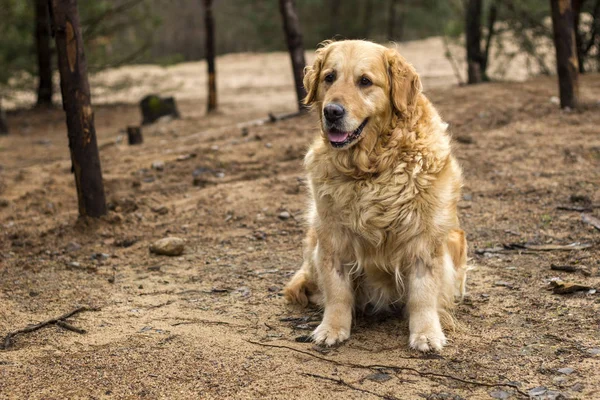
column 338, row 136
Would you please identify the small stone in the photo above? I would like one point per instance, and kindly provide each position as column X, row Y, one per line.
column 499, row 394
column 594, row 351
column 73, row 246
column 578, row 387
column 169, row 246
column 284, row 215
column 220, row 175
column 214, row 147
column 538, row 391
column 554, row 100
column 158, row 165
column 504, row 284
column 74, row 264
column 566, row 371
column 268, row 145
column 467, row 197
column 378, row 377
column 33, row 294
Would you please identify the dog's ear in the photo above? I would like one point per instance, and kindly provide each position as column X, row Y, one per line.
column 312, row 74
column 405, row 85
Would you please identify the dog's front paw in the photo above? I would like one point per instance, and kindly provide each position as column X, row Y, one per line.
column 432, row 340
column 328, row 335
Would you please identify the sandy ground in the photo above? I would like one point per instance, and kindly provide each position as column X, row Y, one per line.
column 212, row 323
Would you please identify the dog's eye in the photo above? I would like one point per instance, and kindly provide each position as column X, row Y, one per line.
column 364, row 81
column 330, row 77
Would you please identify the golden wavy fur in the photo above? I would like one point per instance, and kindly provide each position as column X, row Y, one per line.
column 383, row 227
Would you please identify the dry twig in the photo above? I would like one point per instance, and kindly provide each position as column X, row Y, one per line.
column 59, row 321
column 340, row 381
column 395, row 368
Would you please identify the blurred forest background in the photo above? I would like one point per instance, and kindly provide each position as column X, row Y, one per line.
column 165, row 32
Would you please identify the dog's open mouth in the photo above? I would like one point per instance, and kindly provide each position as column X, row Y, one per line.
column 338, row 138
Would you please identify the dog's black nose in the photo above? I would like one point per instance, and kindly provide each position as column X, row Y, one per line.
column 333, row 112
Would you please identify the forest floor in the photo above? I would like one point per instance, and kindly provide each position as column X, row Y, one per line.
column 212, row 323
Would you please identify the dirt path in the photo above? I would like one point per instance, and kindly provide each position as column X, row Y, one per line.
column 212, row 323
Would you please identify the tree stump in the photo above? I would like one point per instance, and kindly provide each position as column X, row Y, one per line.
column 154, row 107
column 134, row 135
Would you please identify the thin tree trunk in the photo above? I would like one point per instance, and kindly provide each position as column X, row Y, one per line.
column 566, row 52
column 209, row 25
column 334, row 18
column 492, row 15
column 368, row 17
column 3, row 124
column 473, row 33
column 75, row 89
column 392, row 20
column 577, row 4
column 44, row 53
column 293, row 37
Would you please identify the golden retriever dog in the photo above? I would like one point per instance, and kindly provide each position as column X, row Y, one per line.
column 383, row 229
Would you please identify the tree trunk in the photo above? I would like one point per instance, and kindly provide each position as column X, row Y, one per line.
column 577, row 4
column 3, row 124
column 44, row 53
column 334, row 18
column 473, row 33
column 75, row 89
column 209, row 25
column 293, row 37
column 566, row 52
column 492, row 15
column 368, row 17
column 391, row 19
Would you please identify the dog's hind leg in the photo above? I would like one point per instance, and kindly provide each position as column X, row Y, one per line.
column 302, row 288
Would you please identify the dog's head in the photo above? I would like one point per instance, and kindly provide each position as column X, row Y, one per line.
column 357, row 87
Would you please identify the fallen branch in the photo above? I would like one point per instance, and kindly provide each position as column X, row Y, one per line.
column 59, row 321
column 533, row 248
column 564, row 268
column 272, row 118
column 340, row 381
column 397, row 369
